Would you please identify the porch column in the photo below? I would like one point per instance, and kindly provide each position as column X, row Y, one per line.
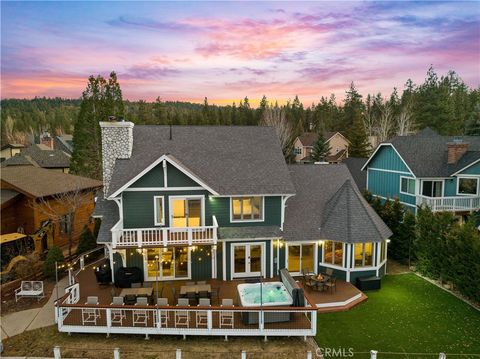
column 348, row 247
column 214, row 261
column 110, row 255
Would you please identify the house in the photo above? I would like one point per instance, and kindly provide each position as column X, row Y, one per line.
column 355, row 165
column 220, row 202
column 40, row 155
column 442, row 172
column 64, row 143
column 9, row 150
column 303, row 147
column 22, row 186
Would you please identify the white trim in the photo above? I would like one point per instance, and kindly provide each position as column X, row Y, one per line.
column 165, row 178
column 415, row 188
column 354, row 266
column 174, row 163
column 343, row 255
column 388, row 171
column 468, row 177
column 253, row 195
column 250, row 239
column 247, row 220
column 162, row 223
column 186, row 197
column 161, row 189
column 300, row 243
column 467, row 166
column 339, row 304
column 433, row 179
column 164, row 249
column 391, row 145
column 282, row 213
column 271, row 259
column 224, row 261
column 248, row 272
column 392, row 199
column 213, row 254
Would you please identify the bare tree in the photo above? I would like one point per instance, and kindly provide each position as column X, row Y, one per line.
column 275, row 117
column 405, row 121
column 386, row 121
column 369, row 117
column 63, row 207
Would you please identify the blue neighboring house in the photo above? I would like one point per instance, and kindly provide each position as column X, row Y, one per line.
column 442, row 172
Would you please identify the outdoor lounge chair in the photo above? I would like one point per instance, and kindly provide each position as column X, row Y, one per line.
column 30, row 288
column 90, row 315
column 182, row 317
column 118, row 315
column 226, row 316
column 331, row 284
column 140, row 316
column 162, row 314
column 202, row 315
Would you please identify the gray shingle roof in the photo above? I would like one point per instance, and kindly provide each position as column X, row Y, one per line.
column 229, row 159
column 249, row 232
column 19, row 160
column 64, row 143
column 426, row 153
column 107, row 211
column 39, row 156
column 355, row 165
column 320, row 191
column 349, row 218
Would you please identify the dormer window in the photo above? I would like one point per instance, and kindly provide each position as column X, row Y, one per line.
column 246, row 209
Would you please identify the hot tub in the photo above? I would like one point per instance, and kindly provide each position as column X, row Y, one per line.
column 273, row 294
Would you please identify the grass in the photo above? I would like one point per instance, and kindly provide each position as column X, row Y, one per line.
column 40, row 343
column 408, row 315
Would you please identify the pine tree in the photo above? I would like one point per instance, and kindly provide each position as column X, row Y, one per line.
column 321, row 149
column 358, row 140
column 159, row 112
column 100, row 100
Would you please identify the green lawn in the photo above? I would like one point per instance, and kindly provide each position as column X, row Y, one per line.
column 407, row 315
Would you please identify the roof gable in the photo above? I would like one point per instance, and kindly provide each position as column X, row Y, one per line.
column 387, row 157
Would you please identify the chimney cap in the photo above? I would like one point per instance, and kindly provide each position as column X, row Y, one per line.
column 112, row 118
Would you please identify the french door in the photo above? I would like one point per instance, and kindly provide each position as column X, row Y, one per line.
column 167, row 263
column 248, row 260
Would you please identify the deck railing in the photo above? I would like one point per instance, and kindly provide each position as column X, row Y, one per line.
column 450, row 204
column 164, row 236
column 73, row 317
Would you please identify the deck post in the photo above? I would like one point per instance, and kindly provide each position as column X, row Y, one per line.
column 116, row 353
column 108, row 313
column 313, row 322
column 139, row 238
column 56, row 352
column 209, row 320
column 110, row 254
column 244, row 354
column 442, row 356
column 178, row 354
column 165, row 237
column 373, row 354
column 309, row 354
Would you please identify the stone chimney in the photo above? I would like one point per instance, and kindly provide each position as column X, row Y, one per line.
column 456, row 150
column 117, row 142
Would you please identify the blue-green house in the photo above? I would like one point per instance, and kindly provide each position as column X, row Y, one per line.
column 218, row 202
column 442, row 172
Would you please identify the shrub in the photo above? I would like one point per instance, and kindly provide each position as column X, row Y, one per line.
column 55, row 254
column 86, row 241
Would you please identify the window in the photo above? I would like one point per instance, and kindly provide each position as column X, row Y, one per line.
column 432, row 188
column 66, row 223
column 158, row 211
column 247, row 208
column 363, row 254
column 383, row 251
column 407, row 185
column 301, row 257
column 333, row 253
column 297, row 151
column 467, row 185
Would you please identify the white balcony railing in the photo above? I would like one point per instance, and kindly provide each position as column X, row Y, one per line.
column 164, row 236
column 450, row 204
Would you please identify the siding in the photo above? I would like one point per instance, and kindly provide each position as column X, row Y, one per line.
column 473, row 170
column 387, row 158
column 176, row 178
column 367, row 273
column 153, row 178
column 387, row 184
column 134, row 259
column 339, row 274
column 201, row 263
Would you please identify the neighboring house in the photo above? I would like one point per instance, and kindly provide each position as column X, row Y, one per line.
column 220, row 202
column 22, row 185
column 303, row 147
column 64, row 143
column 40, row 155
column 9, row 150
column 442, row 172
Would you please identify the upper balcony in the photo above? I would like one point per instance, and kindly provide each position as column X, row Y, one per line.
column 450, row 204
column 164, row 236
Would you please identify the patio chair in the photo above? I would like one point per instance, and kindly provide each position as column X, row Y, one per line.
column 118, row 315
column 201, row 282
column 192, row 298
column 182, row 317
column 331, row 284
column 329, row 272
column 203, row 294
column 162, row 315
column 226, row 317
column 214, row 294
column 30, row 288
column 140, row 316
column 202, row 315
column 130, row 299
column 136, row 285
column 90, row 315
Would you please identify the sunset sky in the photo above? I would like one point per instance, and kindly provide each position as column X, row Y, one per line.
column 227, row 50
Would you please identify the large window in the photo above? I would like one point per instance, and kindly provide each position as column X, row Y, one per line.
column 333, row 253
column 66, row 223
column 158, row 211
column 468, row 185
column 432, row 188
column 301, row 257
column 169, row 262
column 297, row 151
column 383, row 251
column 407, row 185
column 247, row 208
column 363, row 254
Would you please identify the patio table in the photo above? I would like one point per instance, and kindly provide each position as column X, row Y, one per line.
column 184, row 289
column 138, row 292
